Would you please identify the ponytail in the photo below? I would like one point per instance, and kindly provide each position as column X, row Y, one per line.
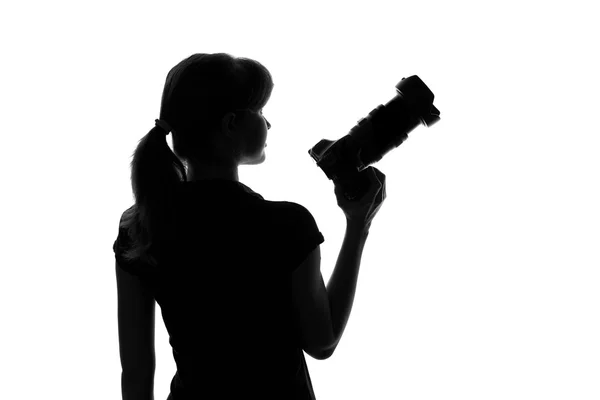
column 155, row 172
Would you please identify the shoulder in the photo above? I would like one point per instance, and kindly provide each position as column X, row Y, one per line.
column 290, row 210
column 294, row 218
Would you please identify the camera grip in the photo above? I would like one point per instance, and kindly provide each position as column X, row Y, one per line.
column 354, row 187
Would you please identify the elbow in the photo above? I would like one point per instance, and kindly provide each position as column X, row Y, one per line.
column 319, row 355
column 326, row 354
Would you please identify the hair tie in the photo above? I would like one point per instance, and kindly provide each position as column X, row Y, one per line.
column 163, row 125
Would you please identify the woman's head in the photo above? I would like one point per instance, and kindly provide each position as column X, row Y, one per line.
column 213, row 103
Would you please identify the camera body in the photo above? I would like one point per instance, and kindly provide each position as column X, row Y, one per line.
column 385, row 128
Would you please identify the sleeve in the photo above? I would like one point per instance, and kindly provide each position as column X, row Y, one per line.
column 137, row 268
column 119, row 246
column 304, row 235
column 118, row 249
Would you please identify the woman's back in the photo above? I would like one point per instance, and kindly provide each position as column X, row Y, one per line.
column 223, row 288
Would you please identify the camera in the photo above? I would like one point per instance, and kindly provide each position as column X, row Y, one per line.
column 385, row 128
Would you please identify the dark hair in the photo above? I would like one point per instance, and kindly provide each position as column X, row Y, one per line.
column 198, row 92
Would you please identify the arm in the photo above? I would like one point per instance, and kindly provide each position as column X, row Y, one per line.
column 136, row 309
column 342, row 283
column 137, row 387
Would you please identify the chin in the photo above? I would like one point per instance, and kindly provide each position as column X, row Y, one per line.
column 256, row 161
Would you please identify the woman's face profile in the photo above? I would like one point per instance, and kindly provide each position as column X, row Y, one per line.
column 249, row 137
column 254, row 138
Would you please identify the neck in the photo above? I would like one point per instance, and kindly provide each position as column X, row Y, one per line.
column 198, row 173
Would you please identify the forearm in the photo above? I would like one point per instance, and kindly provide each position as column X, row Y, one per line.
column 342, row 283
column 140, row 387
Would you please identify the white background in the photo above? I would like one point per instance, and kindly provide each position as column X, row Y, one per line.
column 480, row 276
